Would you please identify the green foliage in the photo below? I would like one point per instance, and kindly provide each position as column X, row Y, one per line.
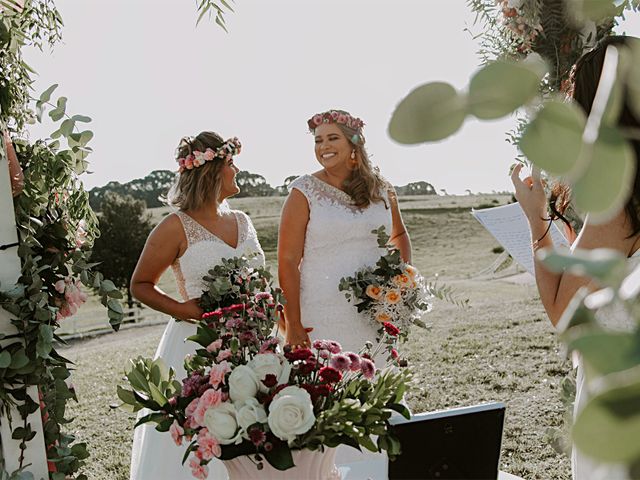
column 211, row 7
column 124, row 226
column 151, row 189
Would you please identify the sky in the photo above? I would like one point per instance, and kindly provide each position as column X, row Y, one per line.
column 147, row 76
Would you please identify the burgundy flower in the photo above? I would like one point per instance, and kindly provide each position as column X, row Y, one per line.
column 270, row 380
column 238, row 307
column 391, row 329
column 215, row 314
column 394, row 354
column 330, row 375
column 257, row 436
column 324, row 390
column 307, row 367
column 298, row 354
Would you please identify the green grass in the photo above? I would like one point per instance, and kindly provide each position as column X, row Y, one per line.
column 501, row 349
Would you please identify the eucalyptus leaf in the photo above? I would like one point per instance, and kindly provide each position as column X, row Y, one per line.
column 605, row 265
column 430, row 113
column 501, row 87
column 553, row 139
column 607, row 182
column 5, row 359
column 608, row 352
column 46, row 95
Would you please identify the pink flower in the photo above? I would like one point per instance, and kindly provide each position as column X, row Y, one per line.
column 176, row 432
column 191, row 408
column 263, row 296
column 188, row 162
column 208, row 446
column 340, row 362
column 218, row 372
column 214, row 346
column 201, row 472
column 354, row 358
column 342, row 118
column 209, row 155
column 210, row 398
column 223, row 355
column 368, row 368
column 59, row 286
column 317, row 119
column 269, row 345
column 334, row 115
column 334, row 347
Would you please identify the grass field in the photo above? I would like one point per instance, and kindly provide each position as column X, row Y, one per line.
column 501, row 349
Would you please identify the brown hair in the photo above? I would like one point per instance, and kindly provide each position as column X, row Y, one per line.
column 585, row 76
column 195, row 188
column 366, row 185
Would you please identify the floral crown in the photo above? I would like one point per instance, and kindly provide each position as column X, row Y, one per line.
column 196, row 158
column 336, row 116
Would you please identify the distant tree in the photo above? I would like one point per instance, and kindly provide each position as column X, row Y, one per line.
column 124, row 226
column 253, row 185
column 284, row 188
column 150, row 189
column 416, row 188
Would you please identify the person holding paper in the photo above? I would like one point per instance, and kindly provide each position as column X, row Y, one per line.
column 621, row 233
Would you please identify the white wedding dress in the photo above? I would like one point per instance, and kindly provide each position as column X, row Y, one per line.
column 611, row 317
column 154, row 455
column 338, row 242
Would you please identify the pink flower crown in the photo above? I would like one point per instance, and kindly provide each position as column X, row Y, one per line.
column 334, row 116
column 226, row 151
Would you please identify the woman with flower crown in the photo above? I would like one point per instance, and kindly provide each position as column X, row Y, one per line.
column 190, row 241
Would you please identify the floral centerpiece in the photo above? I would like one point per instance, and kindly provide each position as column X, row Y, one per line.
column 245, row 396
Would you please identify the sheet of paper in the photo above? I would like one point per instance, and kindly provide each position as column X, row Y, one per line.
column 509, row 225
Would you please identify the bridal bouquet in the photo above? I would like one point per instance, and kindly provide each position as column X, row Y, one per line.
column 392, row 292
column 246, row 395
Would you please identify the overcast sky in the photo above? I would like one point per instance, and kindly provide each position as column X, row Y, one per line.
column 147, row 76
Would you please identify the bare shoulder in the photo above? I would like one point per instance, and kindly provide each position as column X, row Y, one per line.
column 169, row 231
column 614, row 234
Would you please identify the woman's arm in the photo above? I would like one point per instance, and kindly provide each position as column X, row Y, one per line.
column 293, row 228
column 399, row 234
column 15, row 171
column 557, row 289
column 164, row 245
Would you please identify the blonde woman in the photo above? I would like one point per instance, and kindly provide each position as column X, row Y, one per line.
column 325, row 234
column 190, row 241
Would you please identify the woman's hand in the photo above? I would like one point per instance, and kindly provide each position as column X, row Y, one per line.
column 190, row 311
column 298, row 336
column 530, row 194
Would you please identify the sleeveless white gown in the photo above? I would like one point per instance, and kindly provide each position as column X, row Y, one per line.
column 338, row 242
column 154, row 455
column 583, row 467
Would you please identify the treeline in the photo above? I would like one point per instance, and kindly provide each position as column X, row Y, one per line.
column 154, row 187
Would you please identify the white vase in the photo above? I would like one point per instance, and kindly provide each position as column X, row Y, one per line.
column 309, row 465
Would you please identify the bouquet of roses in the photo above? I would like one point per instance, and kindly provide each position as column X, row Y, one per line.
column 245, row 395
column 392, row 292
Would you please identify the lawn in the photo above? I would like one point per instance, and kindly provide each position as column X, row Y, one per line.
column 501, row 349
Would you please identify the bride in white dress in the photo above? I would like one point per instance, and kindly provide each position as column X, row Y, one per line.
column 194, row 239
column 621, row 233
column 326, row 234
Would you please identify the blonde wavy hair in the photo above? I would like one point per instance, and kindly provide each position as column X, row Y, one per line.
column 193, row 189
column 366, row 185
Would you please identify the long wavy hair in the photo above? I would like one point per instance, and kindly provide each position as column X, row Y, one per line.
column 197, row 187
column 585, row 76
column 366, row 185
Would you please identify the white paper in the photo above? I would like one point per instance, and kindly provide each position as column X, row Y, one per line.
column 509, row 225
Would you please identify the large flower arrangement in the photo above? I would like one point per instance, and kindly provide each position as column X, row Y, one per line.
column 245, row 395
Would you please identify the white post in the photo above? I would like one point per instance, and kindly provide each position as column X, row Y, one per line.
column 35, row 454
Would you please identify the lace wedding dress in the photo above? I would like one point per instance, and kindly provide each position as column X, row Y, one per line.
column 338, row 242
column 154, row 455
column 611, row 317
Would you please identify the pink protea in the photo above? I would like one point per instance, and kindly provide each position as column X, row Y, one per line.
column 214, row 346
column 176, row 432
column 354, row 358
column 340, row 362
column 368, row 368
column 218, row 372
column 201, row 472
column 210, row 398
column 208, row 446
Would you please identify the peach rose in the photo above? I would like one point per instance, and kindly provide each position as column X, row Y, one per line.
column 401, row 280
column 411, row 271
column 383, row 317
column 392, row 297
column 374, row 291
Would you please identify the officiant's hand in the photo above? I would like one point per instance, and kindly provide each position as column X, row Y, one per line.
column 190, row 311
column 530, row 194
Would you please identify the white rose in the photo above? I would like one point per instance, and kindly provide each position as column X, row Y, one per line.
column 251, row 412
column 291, row 413
column 243, row 384
column 265, row 364
column 222, row 424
